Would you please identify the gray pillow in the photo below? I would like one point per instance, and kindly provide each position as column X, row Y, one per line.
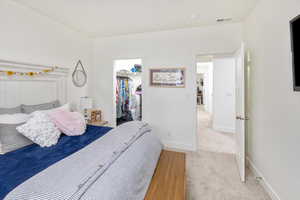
column 11, row 139
column 45, row 106
column 10, row 110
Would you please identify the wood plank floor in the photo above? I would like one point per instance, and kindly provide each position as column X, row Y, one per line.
column 168, row 182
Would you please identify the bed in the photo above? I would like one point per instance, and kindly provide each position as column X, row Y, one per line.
column 103, row 163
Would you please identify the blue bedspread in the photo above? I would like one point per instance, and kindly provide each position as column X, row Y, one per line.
column 18, row 166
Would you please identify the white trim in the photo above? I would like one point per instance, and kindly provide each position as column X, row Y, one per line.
column 178, row 146
column 30, row 66
column 264, row 183
column 224, row 129
column 38, row 78
column 59, row 76
column 61, row 88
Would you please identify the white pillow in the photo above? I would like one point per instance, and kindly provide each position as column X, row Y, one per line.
column 17, row 118
column 40, row 129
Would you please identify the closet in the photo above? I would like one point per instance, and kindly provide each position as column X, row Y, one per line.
column 128, row 93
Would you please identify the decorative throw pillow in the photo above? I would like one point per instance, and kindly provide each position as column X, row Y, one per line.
column 41, row 130
column 45, row 106
column 70, row 123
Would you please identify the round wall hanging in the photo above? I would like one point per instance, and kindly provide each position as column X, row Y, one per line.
column 79, row 75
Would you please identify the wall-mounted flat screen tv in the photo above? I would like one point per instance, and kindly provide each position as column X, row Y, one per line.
column 295, row 37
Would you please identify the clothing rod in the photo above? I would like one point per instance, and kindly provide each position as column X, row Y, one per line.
column 125, row 77
column 30, row 64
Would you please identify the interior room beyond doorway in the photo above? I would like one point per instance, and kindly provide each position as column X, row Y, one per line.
column 216, row 104
column 127, row 90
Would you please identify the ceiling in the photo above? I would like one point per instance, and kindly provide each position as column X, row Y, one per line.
column 98, row 18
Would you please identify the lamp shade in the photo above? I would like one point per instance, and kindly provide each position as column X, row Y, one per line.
column 86, row 103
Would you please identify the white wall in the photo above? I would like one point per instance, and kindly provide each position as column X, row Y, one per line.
column 172, row 112
column 224, row 94
column 274, row 126
column 210, row 88
column 28, row 37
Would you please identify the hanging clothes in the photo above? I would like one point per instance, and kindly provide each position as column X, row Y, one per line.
column 123, row 99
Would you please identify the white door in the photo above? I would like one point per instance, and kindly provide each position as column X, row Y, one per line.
column 240, row 111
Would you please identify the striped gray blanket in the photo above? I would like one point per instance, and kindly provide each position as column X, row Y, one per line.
column 118, row 166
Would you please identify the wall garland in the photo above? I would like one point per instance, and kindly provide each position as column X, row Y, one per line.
column 31, row 74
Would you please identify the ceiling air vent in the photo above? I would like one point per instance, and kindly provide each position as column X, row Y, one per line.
column 223, row 19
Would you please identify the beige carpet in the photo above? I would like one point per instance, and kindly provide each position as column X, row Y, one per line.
column 211, row 140
column 212, row 175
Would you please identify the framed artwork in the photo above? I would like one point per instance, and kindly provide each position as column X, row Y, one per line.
column 95, row 116
column 167, row 77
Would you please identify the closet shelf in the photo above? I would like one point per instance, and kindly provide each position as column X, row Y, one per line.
column 129, row 74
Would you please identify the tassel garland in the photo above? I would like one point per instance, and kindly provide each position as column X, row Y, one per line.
column 31, row 74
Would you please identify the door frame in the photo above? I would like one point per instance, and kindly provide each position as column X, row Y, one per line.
column 225, row 54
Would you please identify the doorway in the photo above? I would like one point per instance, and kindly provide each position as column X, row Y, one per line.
column 223, row 129
column 127, row 104
column 216, row 103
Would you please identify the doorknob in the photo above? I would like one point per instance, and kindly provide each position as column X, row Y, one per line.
column 242, row 118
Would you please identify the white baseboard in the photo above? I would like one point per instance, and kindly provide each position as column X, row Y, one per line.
column 224, row 129
column 178, row 146
column 265, row 184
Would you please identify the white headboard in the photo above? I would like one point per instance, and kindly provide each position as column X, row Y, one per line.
column 16, row 90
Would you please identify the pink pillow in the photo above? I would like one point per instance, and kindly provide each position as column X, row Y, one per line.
column 70, row 123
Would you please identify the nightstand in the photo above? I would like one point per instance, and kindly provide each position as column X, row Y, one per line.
column 99, row 123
